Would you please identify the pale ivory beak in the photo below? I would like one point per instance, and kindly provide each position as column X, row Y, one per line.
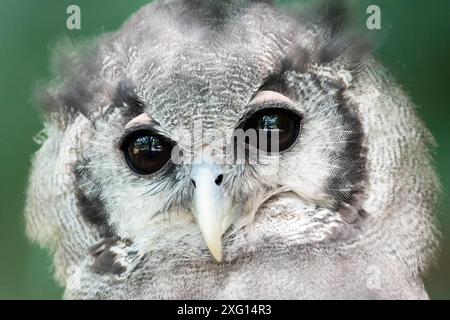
column 211, row 206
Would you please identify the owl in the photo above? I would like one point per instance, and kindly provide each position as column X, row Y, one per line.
column 232, row 150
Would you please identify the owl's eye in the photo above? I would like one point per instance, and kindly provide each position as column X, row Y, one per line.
column 266, row 121
column 146, row 152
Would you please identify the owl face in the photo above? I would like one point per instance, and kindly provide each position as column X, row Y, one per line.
column 208, row 130
column 201, row 126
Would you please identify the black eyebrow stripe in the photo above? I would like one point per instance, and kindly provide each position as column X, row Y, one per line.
column 274, row 82
column 296, row 60
column 127, row 97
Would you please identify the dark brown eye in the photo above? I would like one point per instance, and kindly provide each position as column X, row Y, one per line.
column 271, row 121
column 146, row 152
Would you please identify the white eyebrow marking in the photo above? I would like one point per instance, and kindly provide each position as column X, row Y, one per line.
column 264, row 96
column 143, row 118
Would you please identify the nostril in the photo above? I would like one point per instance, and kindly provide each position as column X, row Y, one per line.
column 193, row 183
column 219, row 179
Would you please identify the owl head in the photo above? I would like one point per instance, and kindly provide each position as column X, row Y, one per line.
column 211, row 126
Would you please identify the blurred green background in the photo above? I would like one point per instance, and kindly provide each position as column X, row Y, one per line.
column 415, row 46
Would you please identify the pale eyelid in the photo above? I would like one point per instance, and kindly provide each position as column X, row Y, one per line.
column 266, row 96
column 268, row 99
column 140, row 120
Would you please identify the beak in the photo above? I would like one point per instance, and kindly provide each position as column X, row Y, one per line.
column 211, row 207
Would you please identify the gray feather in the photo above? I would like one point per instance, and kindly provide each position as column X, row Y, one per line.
column 349, row 214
